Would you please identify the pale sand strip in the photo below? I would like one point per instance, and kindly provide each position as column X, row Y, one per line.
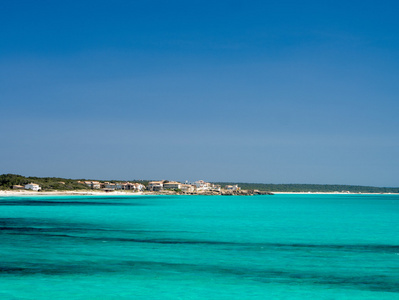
column 68, row 193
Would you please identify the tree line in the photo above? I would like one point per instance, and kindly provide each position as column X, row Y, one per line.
column 313, row 188
column 7, row 181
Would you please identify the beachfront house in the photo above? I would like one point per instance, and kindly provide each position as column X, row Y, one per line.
column 18, row 187
column 172, row 185
column 232, row 188
column 128, row 186
column 199, row 184
column 202, row 185
column 155, row 185
column 215, row 188
column 188, row 188
column 33, row 187
column 93, row 184
column 139, row 187
column 109, row 186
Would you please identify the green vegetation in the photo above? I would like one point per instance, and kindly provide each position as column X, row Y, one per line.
column 310, row 188
column 50, row 183
column 62, row 184
column 46, row 183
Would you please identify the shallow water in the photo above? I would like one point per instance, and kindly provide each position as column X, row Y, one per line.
column 200, row 247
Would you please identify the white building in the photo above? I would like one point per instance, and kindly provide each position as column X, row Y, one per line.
column 109, row 186
column 139, row 187
column 92, row 184
column 202, row 185
column 155, row 185
column 188, row 188
column 172, row 185
column 216, row 188
column 232, row 188
column 95, row 185
column 129, row 186
column 33, row 187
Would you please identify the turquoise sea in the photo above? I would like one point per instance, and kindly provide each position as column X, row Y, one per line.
column 200, row 247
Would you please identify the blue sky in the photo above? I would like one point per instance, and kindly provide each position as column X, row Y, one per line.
column 250, row 91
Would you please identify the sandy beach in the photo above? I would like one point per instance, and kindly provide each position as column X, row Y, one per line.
column 69, row 193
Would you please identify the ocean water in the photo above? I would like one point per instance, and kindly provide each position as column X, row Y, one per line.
column 200, row 247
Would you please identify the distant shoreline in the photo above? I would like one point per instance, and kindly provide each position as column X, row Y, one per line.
column 331, row 193
column 69, row 193
column 123, row 193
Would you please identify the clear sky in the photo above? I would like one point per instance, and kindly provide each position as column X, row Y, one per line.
column 250, row 91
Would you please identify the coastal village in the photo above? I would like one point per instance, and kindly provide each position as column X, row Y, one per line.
column 18, row 184
column 160, row 187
